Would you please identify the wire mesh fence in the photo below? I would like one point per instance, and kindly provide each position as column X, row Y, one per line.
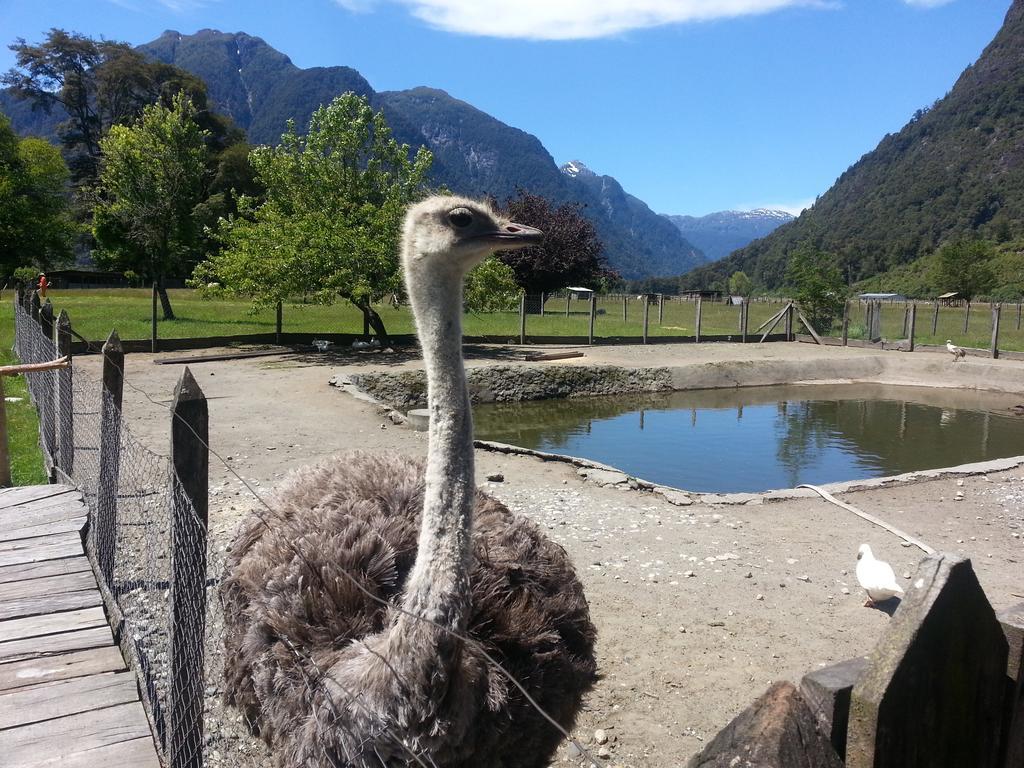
column 160, row 577
column 156, row 568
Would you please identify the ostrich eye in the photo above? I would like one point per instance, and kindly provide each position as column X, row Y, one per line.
column 460, row 217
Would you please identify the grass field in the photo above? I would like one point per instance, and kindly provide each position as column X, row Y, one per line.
column 22, row 421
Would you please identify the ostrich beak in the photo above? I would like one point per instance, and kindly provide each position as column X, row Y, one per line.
column 512, row 235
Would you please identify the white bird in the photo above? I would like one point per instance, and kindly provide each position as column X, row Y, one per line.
column 876, row 576
column 954, row 350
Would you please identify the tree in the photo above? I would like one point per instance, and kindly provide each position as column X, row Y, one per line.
column 490, row 287
column 35, row 227
column 150, row 181
column 965, row 266
column 740, row 284
column 330, row 224
column 99, row 84
column 570, row 254
column 817, row 286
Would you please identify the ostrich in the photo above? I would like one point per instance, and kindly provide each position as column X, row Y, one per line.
column 347, row 603
column 957, row 352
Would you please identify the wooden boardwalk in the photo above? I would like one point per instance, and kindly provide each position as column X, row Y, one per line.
column 66, row 698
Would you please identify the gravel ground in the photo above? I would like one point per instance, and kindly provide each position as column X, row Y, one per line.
column 698, row 608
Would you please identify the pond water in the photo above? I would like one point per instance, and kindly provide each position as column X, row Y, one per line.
column 759, row 438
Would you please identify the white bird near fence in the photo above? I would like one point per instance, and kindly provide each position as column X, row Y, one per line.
column 955, row 351
column 876, row 577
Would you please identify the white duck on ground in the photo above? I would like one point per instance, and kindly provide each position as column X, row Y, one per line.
column 876, row 577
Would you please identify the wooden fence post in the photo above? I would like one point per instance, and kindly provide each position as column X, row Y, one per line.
column 522, row 318
column 593, row 314
column 46, row 319
column 744, row 319
column 46, row 401
column 1018, row 315
column 661, row 308
column 110, row 456
column 65, row 399
column 935, row 317
column 189, row 510
column 912, row 322
column 906, row 323
column 789, row 322
column 647, row 308
column 933, row 692
column 696, row 325
column 153, row 343
column 623, row 307
column 846, row 323
column 35, row 307
column 568, row 298
column 1012, row 621
column 996, row 311
column 542, row 303
column 967, row 316
column 278, row 323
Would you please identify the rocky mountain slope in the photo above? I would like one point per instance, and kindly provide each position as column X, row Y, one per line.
column 475, row 154
column 957, row 168
column 719, row 234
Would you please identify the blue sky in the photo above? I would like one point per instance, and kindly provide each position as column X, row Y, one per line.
column 693, row 105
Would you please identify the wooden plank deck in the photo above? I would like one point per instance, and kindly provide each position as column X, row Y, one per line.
column 66, row 698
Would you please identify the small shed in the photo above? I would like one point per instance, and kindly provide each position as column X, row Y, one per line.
column 582, row 294
column 951, row 299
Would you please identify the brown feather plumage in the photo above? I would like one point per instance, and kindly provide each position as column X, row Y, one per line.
column 291, row 617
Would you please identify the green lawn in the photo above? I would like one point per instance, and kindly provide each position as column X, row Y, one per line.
column 972, row 329
column 22, row 421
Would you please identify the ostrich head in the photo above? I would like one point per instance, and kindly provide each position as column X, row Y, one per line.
column 453, row 234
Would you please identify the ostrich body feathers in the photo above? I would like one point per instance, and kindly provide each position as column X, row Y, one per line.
column 310, row 660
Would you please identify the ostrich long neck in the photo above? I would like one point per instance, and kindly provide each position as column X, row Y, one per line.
column 438, row 588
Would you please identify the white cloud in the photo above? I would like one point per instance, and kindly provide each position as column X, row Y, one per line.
column 576, row 19
column 927, row 3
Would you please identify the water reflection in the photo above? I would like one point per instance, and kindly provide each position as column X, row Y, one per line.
column 758, row 438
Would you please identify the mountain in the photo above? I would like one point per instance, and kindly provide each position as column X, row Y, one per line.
column 955, row 169
column 637, row 223
column 474, row 153
column 719, row 234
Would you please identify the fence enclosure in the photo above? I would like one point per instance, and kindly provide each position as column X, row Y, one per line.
column 147, row 539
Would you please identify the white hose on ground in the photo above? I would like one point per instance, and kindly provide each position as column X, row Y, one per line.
column 870, row 518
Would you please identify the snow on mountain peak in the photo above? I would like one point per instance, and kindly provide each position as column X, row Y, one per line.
column 575, row 168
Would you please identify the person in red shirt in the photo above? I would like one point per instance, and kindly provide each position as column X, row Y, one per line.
column 43, row 285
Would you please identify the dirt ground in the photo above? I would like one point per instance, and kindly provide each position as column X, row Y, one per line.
column 698, row 608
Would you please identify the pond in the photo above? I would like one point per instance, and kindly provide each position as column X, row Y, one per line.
column 758, row 438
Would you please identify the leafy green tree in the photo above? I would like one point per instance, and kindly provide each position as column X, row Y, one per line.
column 740, row 284
column 491, row 287
column 817, row 286
column 101, row 83
column 570, row 254
column 965, row 266
column 35, row 227
column 150, row 181
column 331, row 220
